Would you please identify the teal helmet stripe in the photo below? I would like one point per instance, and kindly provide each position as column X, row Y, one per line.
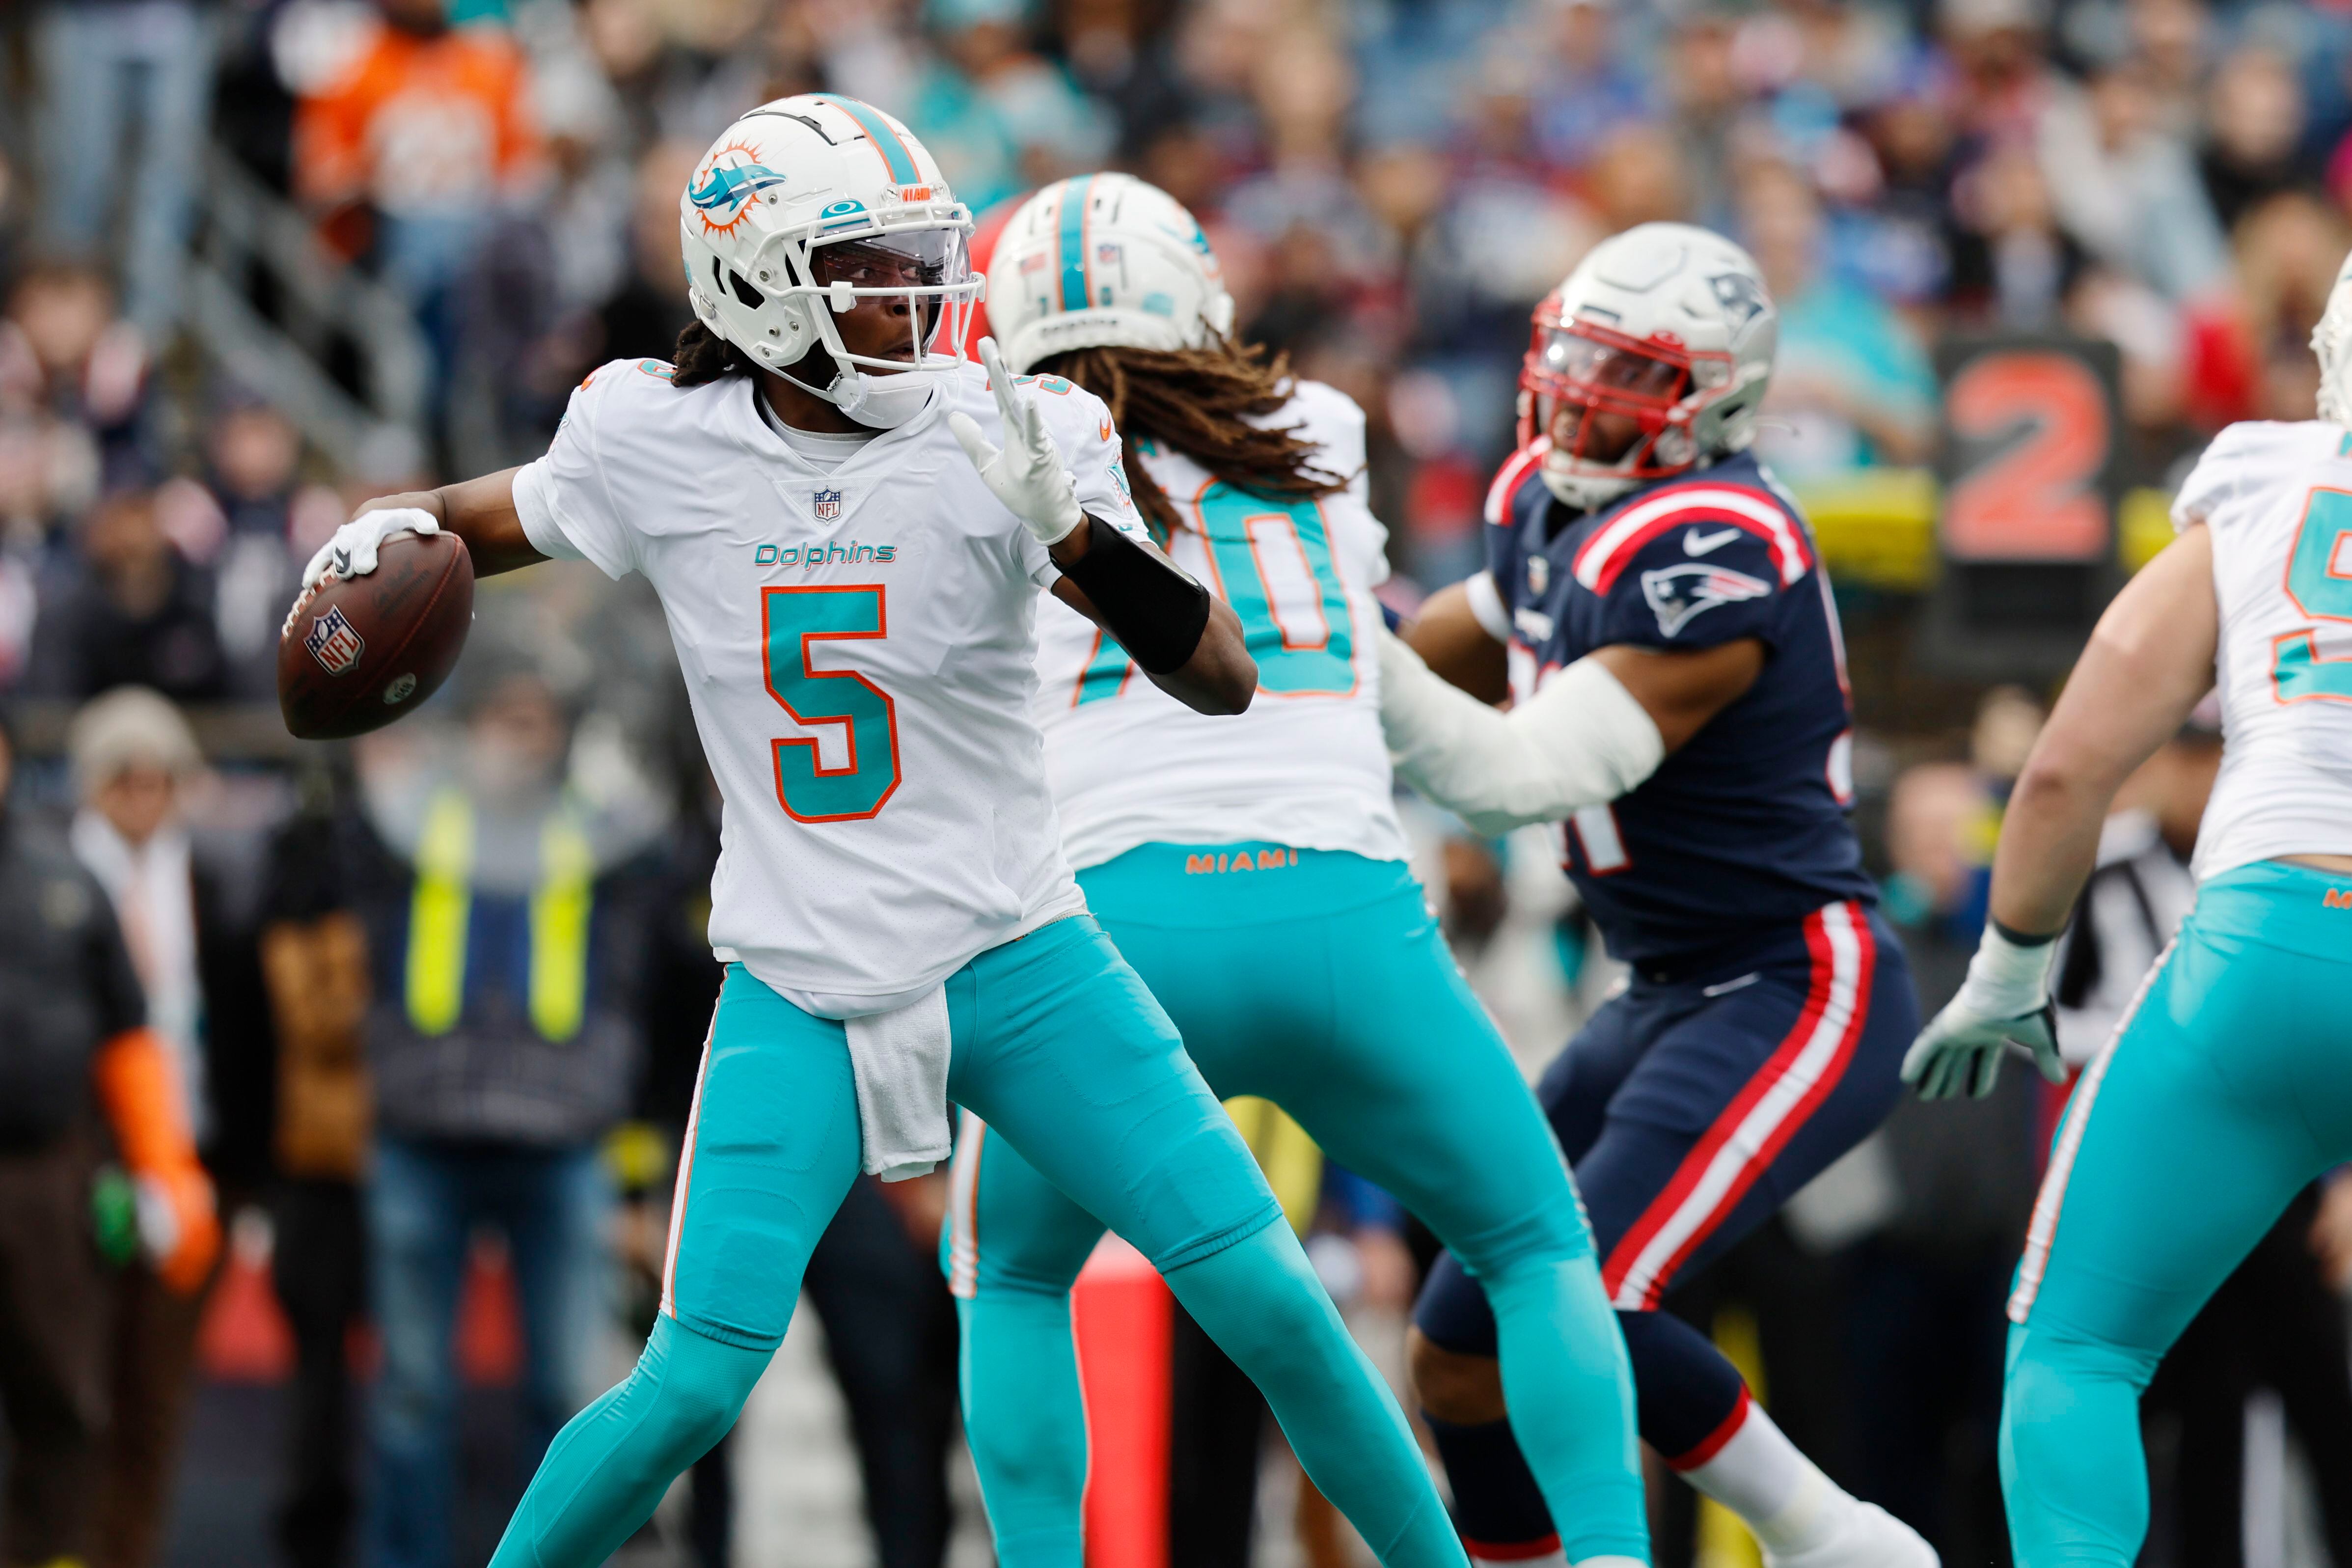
column 878, row 135
column 1073, row 245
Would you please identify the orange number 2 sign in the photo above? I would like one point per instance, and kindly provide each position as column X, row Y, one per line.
column 2037, row 498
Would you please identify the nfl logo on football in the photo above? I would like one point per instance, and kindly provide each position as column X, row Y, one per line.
column 828, row 505
column 333, row 643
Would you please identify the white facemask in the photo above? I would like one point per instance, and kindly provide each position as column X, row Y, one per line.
column 2331, row 342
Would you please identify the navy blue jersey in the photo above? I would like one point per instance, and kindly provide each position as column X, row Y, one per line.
column 1745, row 827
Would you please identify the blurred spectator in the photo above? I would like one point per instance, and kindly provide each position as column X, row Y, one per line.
column 133, row 612
column 1589, row 90
column 105, row 65
column 77, row 1012
column 2127, row 187
column 2013, row 265
column 196, row 964
column 2255, row 121
column 73, row 377
column 1852, row 387
column 506, row 934
column 411, row 149
column 314, row 953
column 1011, row 118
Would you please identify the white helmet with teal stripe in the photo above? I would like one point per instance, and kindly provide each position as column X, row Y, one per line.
column 805, row 205
column 1103, row 260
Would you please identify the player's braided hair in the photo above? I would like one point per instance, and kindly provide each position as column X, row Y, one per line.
column 703, row 356
column 1202, row 403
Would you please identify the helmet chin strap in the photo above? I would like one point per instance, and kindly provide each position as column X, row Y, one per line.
column 878, row 402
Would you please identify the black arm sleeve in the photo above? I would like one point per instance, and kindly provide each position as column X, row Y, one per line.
column 1149, row 604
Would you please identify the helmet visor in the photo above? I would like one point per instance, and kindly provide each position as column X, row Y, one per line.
column 1567, row 357
column 930, row 269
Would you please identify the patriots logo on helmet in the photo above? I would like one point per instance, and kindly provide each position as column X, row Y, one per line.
column 334, row 643
column 827, row 505
column 1681, row 593
column 1740, row 295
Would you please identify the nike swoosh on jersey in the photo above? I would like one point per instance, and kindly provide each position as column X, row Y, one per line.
column 1697, row 543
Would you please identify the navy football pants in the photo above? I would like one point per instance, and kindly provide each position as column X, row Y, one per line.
column 1692, row 1106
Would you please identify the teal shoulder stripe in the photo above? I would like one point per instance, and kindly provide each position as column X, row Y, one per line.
column 1073, row 246
column 878, row 134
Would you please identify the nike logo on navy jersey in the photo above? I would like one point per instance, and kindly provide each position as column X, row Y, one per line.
column 1697, row 543
column 1678, row 595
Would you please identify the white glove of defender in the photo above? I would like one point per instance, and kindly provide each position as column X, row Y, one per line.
column 353, row 552
column 1028, row 475
column 2004, row 1002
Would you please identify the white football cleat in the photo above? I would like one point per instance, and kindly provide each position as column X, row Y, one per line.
column 1867, row 1537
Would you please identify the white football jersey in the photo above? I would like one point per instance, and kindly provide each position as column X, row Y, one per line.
column 860, row 650
column 1306, row 765
column 2278, row 499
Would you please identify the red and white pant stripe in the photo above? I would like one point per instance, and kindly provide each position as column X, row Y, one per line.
column 1743, row 1142
column 685, row 1176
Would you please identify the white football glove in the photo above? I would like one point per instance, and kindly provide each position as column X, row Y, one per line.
column 353, row 552
column 1028, row 475
column 2004, row 1003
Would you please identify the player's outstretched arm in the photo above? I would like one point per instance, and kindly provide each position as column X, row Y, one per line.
column 2149, row 663
column 1596, row 730
column 482, row 512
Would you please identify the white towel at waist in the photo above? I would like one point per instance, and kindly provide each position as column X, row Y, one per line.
column 899, row 1059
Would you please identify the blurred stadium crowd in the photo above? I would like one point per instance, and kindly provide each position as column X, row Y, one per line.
column 263, row 258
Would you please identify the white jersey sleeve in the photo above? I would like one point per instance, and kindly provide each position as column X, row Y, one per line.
column 860, row 648
column 566, row 509
column 1306, row 766
column 2278, row 500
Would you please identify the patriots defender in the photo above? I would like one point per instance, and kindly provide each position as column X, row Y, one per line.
column 2227, row 1087
column 849, row 563
column 1253, row 871
column 1655, row 603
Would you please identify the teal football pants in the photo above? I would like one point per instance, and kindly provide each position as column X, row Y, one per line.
column 1057, row 1043
column 2228, row 1089
column 1320, row 982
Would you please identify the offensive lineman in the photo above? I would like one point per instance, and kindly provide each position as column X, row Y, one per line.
column 1656, row 604
column 2228, row 1086
column 1253, row 871
column 851, row 599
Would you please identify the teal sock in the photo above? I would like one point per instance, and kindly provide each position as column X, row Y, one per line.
column 1259, row 1299
column 611, row 1464
column 1026, row 1420
column 1570, row 1390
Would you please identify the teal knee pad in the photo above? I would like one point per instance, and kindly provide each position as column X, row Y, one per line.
column 2073, row 1472
column 1026, row 1420
column 1570, row 1391
column 611, row 1464
column 1259, row 1300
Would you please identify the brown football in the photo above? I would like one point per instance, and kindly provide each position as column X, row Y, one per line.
column 359, row 652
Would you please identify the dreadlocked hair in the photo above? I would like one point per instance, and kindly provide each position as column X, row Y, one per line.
column 1205, row 403
column 703, row 356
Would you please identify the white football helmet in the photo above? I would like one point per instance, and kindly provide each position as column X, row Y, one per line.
column 1668, row 324
column 804, row 206
column 1103, row 260
column 2331, row 340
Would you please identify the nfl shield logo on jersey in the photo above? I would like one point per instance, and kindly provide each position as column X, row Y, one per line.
column 828, row 505
column 333, row 643
column 1538, row 575
column 1691, row 588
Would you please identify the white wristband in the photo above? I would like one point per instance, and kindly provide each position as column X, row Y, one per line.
column 2008, row 979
